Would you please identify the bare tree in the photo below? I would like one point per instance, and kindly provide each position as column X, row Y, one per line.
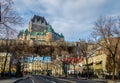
column 86, row 48
column 84, row 52
column 8, row 18
column 106, row 33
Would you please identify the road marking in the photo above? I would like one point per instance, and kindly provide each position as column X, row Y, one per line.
column 47, row 80
column 66, row 80
column 33, row 81
column 53, row 81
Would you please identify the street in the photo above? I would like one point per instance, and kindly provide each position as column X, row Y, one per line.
column 42, row 79
column 50, row 79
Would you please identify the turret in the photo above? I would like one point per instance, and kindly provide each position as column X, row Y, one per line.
column 49, row 31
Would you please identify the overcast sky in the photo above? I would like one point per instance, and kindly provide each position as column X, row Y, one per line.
column 73, row 18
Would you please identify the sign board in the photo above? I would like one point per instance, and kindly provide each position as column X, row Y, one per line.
column 38, row 58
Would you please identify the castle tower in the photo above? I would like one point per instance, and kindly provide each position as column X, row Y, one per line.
column 48, row 36
column 37, row 23
column 29, row 26
column 39, row 30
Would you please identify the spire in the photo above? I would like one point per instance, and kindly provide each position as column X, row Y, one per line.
column 26, row 32
column 21, row 33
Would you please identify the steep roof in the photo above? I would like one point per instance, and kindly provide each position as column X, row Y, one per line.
column 49, row 28
column 39, row 18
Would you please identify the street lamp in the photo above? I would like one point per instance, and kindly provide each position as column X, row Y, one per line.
column 65, row 64
column 76, row 57
column 47, row 68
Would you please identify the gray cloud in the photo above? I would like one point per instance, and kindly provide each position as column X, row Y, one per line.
column 73, row 18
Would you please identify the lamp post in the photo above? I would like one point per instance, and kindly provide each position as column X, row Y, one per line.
column 65, row 65
column 75, row 58
column 47, row 68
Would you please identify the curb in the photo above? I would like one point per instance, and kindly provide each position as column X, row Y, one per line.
column 21, row 79
column 111, row 81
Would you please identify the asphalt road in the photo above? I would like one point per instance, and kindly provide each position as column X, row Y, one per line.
column 49, row 79
column 34, row 79
column 28, row 80
column 42, row 79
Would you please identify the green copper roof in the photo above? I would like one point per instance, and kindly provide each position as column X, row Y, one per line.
column 49, row 28
column 37, row 33
column 27, row 32
column 40, row 33
column 21, row 33
column 33, row 33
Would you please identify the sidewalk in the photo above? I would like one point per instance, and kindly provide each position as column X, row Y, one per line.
column 95, row 79
column 102, row 80
column 108, row 80
column 111, row 81
column 13, row 80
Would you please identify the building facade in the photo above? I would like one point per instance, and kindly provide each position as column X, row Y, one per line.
column 39, row 30
column 96, row 63
column 2, row 60
column 36, row 65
